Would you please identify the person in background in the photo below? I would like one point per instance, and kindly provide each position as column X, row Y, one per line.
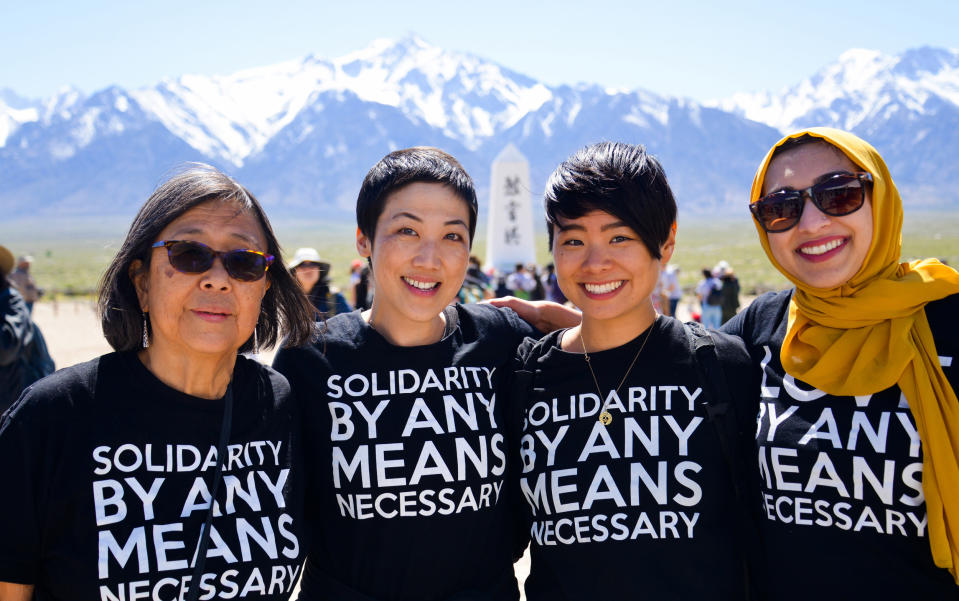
column 476, row 274
column 729, row 291
column 538, row 292
column 502, row 290
column 24, row 282
column 858, row 423
column 172, row 467
column 356, row 271
column 520, row 283
column 16, row 334
column 710, row 299
column 363, row 291
column 658, row 297
column 313, row 275
column 553, row 291
column 476, row 286
column 356, row 265
column 671, row 288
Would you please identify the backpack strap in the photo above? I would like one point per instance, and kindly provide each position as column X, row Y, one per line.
column 721, row 411
column 203, row 544
column 521, row 384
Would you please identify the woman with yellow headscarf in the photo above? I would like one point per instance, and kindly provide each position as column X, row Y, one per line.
column 858, row 425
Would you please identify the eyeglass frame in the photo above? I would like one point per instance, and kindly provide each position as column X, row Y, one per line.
column 804, row 193
column 217, row 254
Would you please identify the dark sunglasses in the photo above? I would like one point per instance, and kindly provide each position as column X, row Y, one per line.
column 841, row 194
column 242, row 264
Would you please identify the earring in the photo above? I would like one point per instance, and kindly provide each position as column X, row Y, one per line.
column 256, row 341
column 146, row 338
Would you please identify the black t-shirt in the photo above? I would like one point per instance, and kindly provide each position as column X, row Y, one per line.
column 107, row 474
column 642, row 508
column 408, row 458
column 844, row 515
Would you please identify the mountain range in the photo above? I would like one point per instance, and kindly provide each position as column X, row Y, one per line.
column 303, row 133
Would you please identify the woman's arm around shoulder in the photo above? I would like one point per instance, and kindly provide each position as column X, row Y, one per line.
column 545, row 316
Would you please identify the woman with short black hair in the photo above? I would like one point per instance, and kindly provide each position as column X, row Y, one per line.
column 406, row 435
column 109, row 467
column 632, row 431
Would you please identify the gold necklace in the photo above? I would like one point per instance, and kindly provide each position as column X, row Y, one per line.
column 604, row 416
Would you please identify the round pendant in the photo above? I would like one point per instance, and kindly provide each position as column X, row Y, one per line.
column 605, row 418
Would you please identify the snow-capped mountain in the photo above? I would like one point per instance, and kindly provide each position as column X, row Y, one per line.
column 301, row 134
column 234, row 116
column 94, row 155
column 862, row 87
column 709, row 155
column 14, row 112
column 906, row 105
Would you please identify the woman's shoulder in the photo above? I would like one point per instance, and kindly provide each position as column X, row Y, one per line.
column 943, row 317
column 342, row 331
column 943, row 313
column 679, row 339
column 494, row 323
column 484, row 313
column 67, row 389
column 337, row 340
column 761, row 318
column 534, row 350
column 774, row 301
column 269, row 381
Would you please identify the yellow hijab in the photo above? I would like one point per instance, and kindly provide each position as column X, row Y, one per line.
column 872, row 332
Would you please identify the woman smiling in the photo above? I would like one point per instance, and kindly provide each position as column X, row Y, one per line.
column 632, row 448
column 400, row 401
column 110, row 466
column 858, row 426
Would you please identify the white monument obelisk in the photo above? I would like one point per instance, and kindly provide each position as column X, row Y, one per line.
column 509, row 228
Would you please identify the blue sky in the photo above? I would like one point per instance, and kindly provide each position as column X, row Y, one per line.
column 697, row 49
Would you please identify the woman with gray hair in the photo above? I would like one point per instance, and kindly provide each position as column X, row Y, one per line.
column 170, row 468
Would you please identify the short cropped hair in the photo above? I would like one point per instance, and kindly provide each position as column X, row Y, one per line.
column 402, row 167
column 284, row 307
column 620, row 179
